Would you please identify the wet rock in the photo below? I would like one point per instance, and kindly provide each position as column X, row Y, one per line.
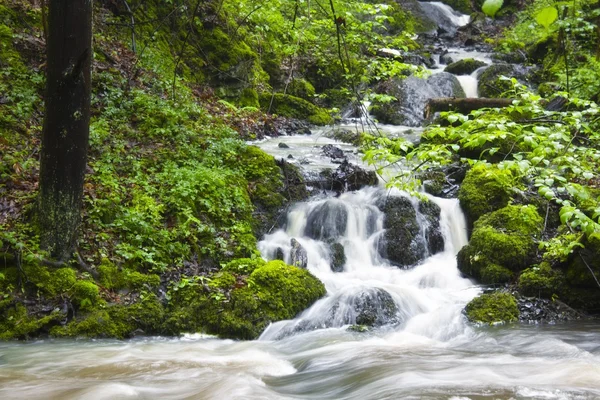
column 333, row 152
column 401, row 243
column 536, row 310
column 515, row 57
column 327, row 221
column 375, row 307
column 447, row 59
column 282, row 145
column 347, row 177
column 338, row 257
column 412, row 95
column 299, row 257
column 433, row 233
column 464, row 67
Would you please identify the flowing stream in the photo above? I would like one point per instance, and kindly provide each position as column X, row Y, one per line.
column 420, row 345
column 424, row 349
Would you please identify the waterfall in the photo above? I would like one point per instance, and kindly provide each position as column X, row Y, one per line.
column 370, row 290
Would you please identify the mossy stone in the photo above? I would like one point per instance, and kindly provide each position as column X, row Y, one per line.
column 301, row 88
column 464, row 67
column 504, row 238
column 492, row 308
column 541, row 281
column 244, row 266
column 485, row 188
column 294, row 107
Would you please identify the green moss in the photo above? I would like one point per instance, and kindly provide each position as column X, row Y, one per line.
column 137, row 280
column 541, row 281
column 301, row 88
column 116, row 321
column 294, row 107
column 493, row 308
column 109, row 275
column 230, row 306
column 249, row 98
column 485, row 188
column 244, row 266
column 523, row 220
column 51, row 282
column 464, row 67
column 284, row 289
column 17, row 323
column 495, row 274
column 433, row 181
column 504, row 238
column 86, row 293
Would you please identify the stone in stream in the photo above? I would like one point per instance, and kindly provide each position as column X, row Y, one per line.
column 464, row 67
column 409, row 236
column 375, row 307
column 299, row 257
column 333, row 152
column 327, row 221
column 279, row 255
column 338, row 257
column 282, row 145
column 347, row 177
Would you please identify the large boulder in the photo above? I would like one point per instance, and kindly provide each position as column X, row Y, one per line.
column 412, row 95
column 434, row 237
column 503, row 243
column 327, row 221
column 485, row 188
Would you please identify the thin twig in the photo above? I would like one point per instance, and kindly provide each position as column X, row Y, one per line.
column 133, row 47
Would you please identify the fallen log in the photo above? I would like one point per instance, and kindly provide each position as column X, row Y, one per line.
column 463, row 105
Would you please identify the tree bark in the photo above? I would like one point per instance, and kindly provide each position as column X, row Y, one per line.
column 66, row 124
column 463, row 105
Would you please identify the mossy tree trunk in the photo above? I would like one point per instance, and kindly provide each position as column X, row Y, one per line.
column 66, row 124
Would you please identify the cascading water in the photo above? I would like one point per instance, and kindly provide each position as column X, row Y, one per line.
column 370, row 291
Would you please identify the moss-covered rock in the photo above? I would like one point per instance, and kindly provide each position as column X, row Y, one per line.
column 502, row 241
column 491, row 85
column 244, row 266
column 493, row 308
column 541, row 281
column 294, row 107
column 485, row 188
column 301, row 88
column 50, row 281
column 117, row 321
column 16, row 322
column 239, row 306
column 464, row 67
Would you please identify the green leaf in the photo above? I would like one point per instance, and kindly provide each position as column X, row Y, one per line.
column 491, row 7
column 547, row 16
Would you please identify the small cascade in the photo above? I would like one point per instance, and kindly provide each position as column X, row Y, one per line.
column 469, row 84
column 371, row 291
column 444, row 16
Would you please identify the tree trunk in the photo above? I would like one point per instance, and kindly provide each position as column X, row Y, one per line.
column 66, row 124
column 463, row 105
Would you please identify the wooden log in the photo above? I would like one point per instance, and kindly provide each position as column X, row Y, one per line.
column 463, row 105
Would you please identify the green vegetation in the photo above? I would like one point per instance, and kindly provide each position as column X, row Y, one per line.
column 490, row 308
